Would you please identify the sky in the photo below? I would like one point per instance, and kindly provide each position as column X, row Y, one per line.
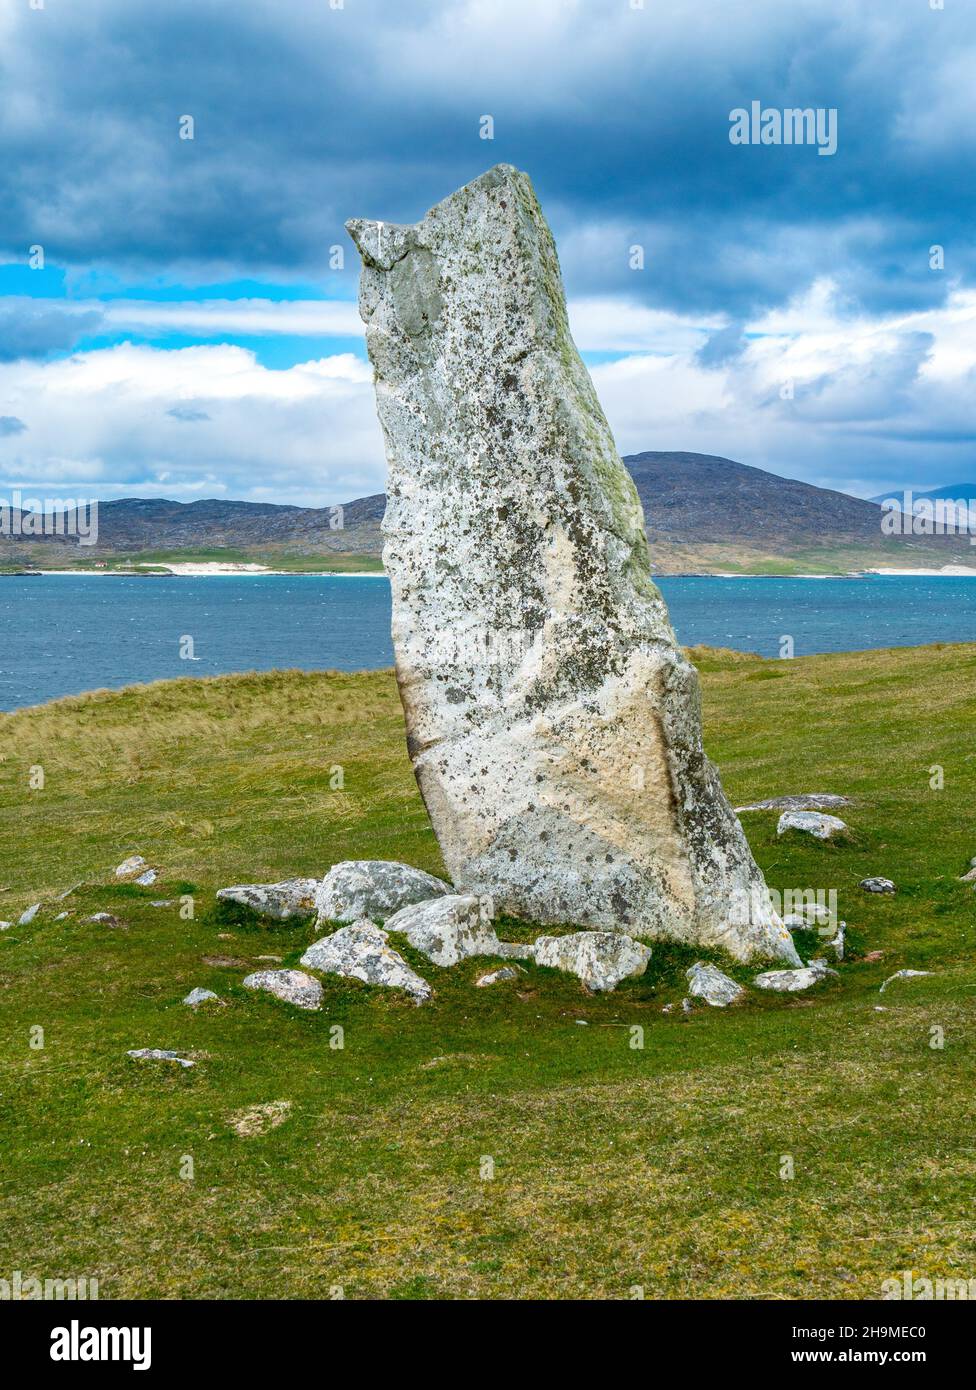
column 178, row 317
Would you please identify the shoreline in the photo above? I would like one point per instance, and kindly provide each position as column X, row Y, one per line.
column 218, row 570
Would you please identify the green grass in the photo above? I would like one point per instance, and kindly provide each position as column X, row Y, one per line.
column 613, row 1166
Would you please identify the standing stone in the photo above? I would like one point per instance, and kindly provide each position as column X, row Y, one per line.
column 553, row 723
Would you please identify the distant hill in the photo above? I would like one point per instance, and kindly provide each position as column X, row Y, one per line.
column 703, row 514
column 964, row 493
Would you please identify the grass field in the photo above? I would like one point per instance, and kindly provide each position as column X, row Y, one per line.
column 613, row 1166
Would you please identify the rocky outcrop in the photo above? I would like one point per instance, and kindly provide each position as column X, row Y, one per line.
column 372, row 889
column 600, row 959
column 363, row 952
column 553, row 723
column 293, row 986
column 447, row 930
column 293, row 897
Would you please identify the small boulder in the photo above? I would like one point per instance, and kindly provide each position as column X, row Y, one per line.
column 147, row 878
column 494, row 977
column 362, row 952
column 903, row 975
column 790, row 981
column 196, row 997
column 293, row 897
column 5, row 926
column 446, row 929
column 104, row 919
column 601, row 959
column 293, row 986
column 804, row 801
column 27, row 917
column 812, row 823
column 709, row 983
column 135, row 864
column 877, row 885
column 158, row 1054
column 372, row 889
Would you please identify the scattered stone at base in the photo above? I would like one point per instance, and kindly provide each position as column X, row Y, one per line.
column 805, row 801
column 447, row 929
column 362, row 952
column 709, row 983
column 877, row 885
column 291, row 986
column 292, row 897
column 372, row 890
column 600, row 959
column 790, row 981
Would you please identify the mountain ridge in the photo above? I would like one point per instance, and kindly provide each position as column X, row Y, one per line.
column 703, row 513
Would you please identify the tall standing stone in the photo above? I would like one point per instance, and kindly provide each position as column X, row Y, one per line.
column 553, row 723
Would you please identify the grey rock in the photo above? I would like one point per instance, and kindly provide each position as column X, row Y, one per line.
column 877, row 885
column 293, row 897
column 820, row 826
column 709, row 983
column 158, row 1054
column 804, row 801
column 27, row 917
column 68, row 891
column 362, row 952
column 162, row 902
column 372, row 890
column 5, row 926
column 147, row 878
column 293, row 986
column 494, row 977
column 968, row 878
column 447, row 929
column 903, row 975
column 104, row 919
column 135, row 864
column 198, row 996
column 61, row 916
column 516, row 950
column 600, row 959
column 552, row 720
column 790, row 981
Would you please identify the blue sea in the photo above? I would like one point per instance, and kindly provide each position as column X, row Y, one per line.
column 63, row 635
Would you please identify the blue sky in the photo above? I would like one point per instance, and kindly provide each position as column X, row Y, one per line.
column 191, row 335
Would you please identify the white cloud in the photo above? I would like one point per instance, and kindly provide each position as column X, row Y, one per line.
column 102, row 420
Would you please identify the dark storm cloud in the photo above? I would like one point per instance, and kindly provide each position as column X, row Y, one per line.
column 36, row 327
column 305, row 115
